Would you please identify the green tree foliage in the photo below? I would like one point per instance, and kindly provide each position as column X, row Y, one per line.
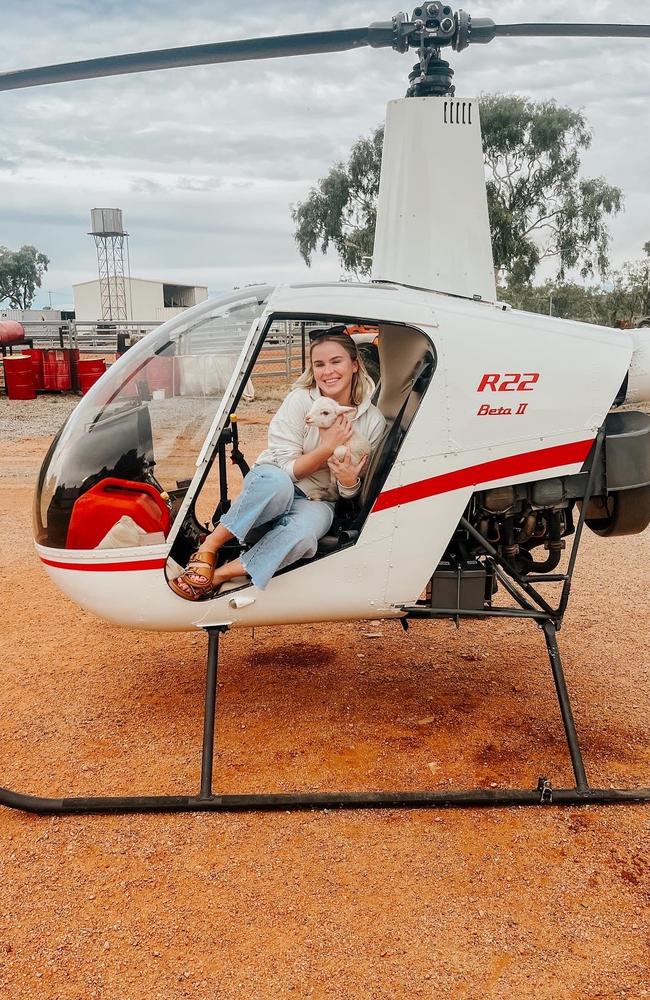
column 631, row 292
column 539, row 206
column 21, row 272
column 565, row 300
column 624, row 300
column 341, row 211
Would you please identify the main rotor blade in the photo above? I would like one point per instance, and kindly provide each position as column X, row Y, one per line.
column 273, row 47
column 559, row 30
column 397, row 34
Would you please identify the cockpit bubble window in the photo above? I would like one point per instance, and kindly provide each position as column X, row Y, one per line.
column 130, row 446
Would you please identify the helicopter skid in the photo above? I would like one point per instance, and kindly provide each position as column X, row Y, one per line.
column 206, row 801
column 486, row 797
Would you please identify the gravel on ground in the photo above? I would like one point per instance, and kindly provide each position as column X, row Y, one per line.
column 35, row 418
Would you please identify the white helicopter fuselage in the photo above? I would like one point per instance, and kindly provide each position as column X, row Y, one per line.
column 514, row 397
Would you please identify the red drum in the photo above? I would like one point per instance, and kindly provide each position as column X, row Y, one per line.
column 159, row 375
column 89, row 370
column 57, row 371
column 19, row 377
column 36, row 354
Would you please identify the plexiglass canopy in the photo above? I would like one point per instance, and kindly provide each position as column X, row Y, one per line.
column 146, row 419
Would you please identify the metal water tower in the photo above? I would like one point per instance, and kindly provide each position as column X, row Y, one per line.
column 111, row 241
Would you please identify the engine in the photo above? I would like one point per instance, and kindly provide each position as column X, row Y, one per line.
column 527, row 524
column 522, row 521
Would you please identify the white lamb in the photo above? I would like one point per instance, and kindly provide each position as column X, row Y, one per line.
column 322, row 415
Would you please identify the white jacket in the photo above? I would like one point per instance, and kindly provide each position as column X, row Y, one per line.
column 290, row 437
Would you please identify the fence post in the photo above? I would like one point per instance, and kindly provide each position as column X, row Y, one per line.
column 287, row 349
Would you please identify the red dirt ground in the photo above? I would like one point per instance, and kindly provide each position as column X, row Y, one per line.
column 548, row 903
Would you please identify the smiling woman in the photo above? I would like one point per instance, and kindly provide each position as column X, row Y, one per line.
column 280, row 492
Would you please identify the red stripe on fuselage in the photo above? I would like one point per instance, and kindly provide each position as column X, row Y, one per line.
column 116, row 567
column 486, row 472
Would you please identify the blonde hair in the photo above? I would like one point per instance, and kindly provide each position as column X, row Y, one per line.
column 362, row 385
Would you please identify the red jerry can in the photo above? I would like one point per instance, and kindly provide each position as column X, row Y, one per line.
column 101, row 507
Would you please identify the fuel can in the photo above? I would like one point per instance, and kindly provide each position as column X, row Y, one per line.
column 103, row 505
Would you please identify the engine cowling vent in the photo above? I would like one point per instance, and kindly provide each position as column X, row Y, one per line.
column 457, row 112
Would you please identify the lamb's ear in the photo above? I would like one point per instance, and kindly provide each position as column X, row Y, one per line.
column 347, row 409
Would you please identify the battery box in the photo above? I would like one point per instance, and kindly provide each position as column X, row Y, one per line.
column 458, row 586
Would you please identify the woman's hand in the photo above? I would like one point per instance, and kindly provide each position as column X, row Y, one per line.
column 339, row 433
column 346, row 471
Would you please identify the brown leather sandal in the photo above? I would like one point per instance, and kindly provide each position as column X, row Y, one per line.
column 201, row 565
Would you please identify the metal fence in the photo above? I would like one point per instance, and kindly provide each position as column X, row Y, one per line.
column 283, row 354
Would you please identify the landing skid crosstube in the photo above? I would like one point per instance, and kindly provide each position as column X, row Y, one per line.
column 206, row 800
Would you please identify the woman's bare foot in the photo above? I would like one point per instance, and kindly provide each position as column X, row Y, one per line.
column 229, row 571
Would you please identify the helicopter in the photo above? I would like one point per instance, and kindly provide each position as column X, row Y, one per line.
column 495, row 454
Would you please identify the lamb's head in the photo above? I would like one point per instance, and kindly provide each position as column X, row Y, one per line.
column 325, row 411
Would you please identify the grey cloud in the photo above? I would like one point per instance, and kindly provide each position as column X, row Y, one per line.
column 199, row 185
column 143, row 185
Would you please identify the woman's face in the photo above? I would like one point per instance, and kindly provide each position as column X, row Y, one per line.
column 333, row 370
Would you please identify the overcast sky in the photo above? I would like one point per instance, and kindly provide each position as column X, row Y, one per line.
column 206, row 162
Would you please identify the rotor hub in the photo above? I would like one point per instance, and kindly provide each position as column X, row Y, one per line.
column 433, row 26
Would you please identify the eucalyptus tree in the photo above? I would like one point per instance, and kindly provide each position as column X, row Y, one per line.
column 540, row 206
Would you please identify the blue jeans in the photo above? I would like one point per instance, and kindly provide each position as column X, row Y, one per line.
column 295, row 523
